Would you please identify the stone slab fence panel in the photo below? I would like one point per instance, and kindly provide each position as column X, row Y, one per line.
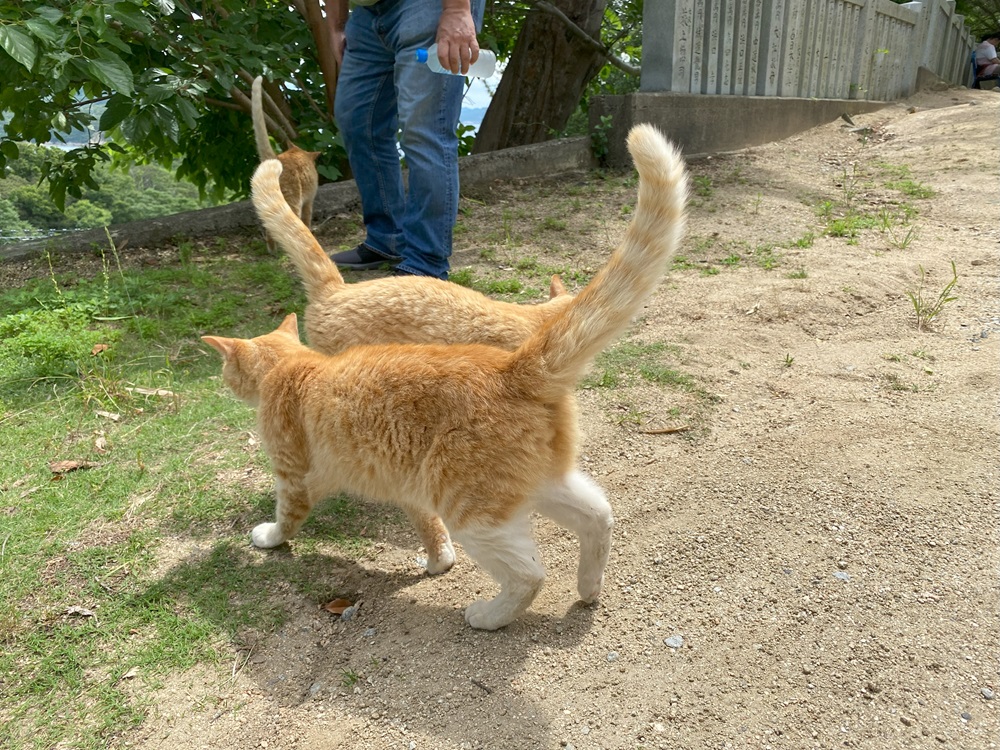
column 721, row 75
column 823, row 49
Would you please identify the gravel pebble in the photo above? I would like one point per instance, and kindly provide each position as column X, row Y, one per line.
column 987, row 693
column 674, row 641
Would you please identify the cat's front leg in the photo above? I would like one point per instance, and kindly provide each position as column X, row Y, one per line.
column 435, row 538
column 292, row 509
column 267, row 535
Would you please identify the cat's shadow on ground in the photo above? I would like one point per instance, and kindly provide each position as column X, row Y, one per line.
column 407, row 644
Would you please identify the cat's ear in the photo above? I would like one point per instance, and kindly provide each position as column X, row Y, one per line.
column 290, row 325
column 315, row 154
column 556, row 288
column 223, row 346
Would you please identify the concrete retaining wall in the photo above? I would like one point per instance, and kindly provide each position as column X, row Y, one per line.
column 702, row 124
column 538, row 160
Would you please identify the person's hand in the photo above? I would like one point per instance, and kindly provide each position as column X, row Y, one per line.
column 457, row 46
column 336, row 12
column 338, row 40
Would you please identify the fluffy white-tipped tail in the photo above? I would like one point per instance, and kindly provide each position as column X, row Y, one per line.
column 315, row 268
column 552, row 360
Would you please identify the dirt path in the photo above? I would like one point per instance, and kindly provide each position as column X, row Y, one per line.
column 812, row 564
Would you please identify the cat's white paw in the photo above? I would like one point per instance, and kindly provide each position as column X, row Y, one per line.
column 589, row 587
column 445, row 559
column 267, row 535
column 486, row 615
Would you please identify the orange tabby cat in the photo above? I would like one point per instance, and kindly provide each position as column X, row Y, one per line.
column 299, row 179
column 407, row 309
column 468, row 439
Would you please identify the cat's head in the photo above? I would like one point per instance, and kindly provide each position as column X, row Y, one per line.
column 245, row 362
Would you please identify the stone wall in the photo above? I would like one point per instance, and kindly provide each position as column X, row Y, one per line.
column 824, row 49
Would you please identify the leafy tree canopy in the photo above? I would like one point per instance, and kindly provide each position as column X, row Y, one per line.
column 142, row 192
column 167, row 82
column 981, row 16
column 173, row 77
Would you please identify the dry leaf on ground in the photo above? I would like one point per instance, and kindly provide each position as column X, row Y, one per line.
column 64, row 467
column 337, row 606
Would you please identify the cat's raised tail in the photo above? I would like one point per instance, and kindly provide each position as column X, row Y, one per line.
column 315, row 268
column 551, row 361
column 264, row 148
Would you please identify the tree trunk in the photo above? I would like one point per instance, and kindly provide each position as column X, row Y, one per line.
column 545, row 77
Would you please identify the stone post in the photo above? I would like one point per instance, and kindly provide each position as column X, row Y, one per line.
column 657, row 45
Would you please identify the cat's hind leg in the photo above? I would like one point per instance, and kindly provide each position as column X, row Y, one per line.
column 434, row 536
column 508, row 553
column 578, row 504
column 294, row 504
column 306, row 213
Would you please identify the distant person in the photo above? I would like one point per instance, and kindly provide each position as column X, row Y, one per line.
column 987, row 62
column 384, row 93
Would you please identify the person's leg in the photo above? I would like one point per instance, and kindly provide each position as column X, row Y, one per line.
column 429, row 106
column 365, row 111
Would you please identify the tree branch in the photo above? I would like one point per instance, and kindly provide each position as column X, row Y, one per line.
column 313, row 104
column 543, row 5
column 320, row 31
column 223, row 104
column 85, row 102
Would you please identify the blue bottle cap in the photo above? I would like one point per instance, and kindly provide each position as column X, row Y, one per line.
column 421, row 55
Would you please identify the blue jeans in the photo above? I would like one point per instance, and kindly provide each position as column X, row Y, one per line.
column 382, row 93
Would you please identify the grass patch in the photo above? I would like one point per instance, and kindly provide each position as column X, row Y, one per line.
column 851, row 225
column 138, row 565
column 928, row 306
column 634, row 365
column 531, row 283
column 702, row 186
column 630, row 359
column 911, row 188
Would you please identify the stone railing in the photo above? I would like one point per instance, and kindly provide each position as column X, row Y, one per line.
column 825, row 49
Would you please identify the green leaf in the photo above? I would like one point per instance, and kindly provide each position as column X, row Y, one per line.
column 112, row 71
column 9, row 149
column 187, row 112
column 18, row 45
column 132, row 17
column 44, row 30
column 119, row 107
column 156, row 93
column 53, row 15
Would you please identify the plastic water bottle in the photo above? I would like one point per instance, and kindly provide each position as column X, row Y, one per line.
column 481, row 68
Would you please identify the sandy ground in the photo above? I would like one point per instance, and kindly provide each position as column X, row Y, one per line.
column 811, row 564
